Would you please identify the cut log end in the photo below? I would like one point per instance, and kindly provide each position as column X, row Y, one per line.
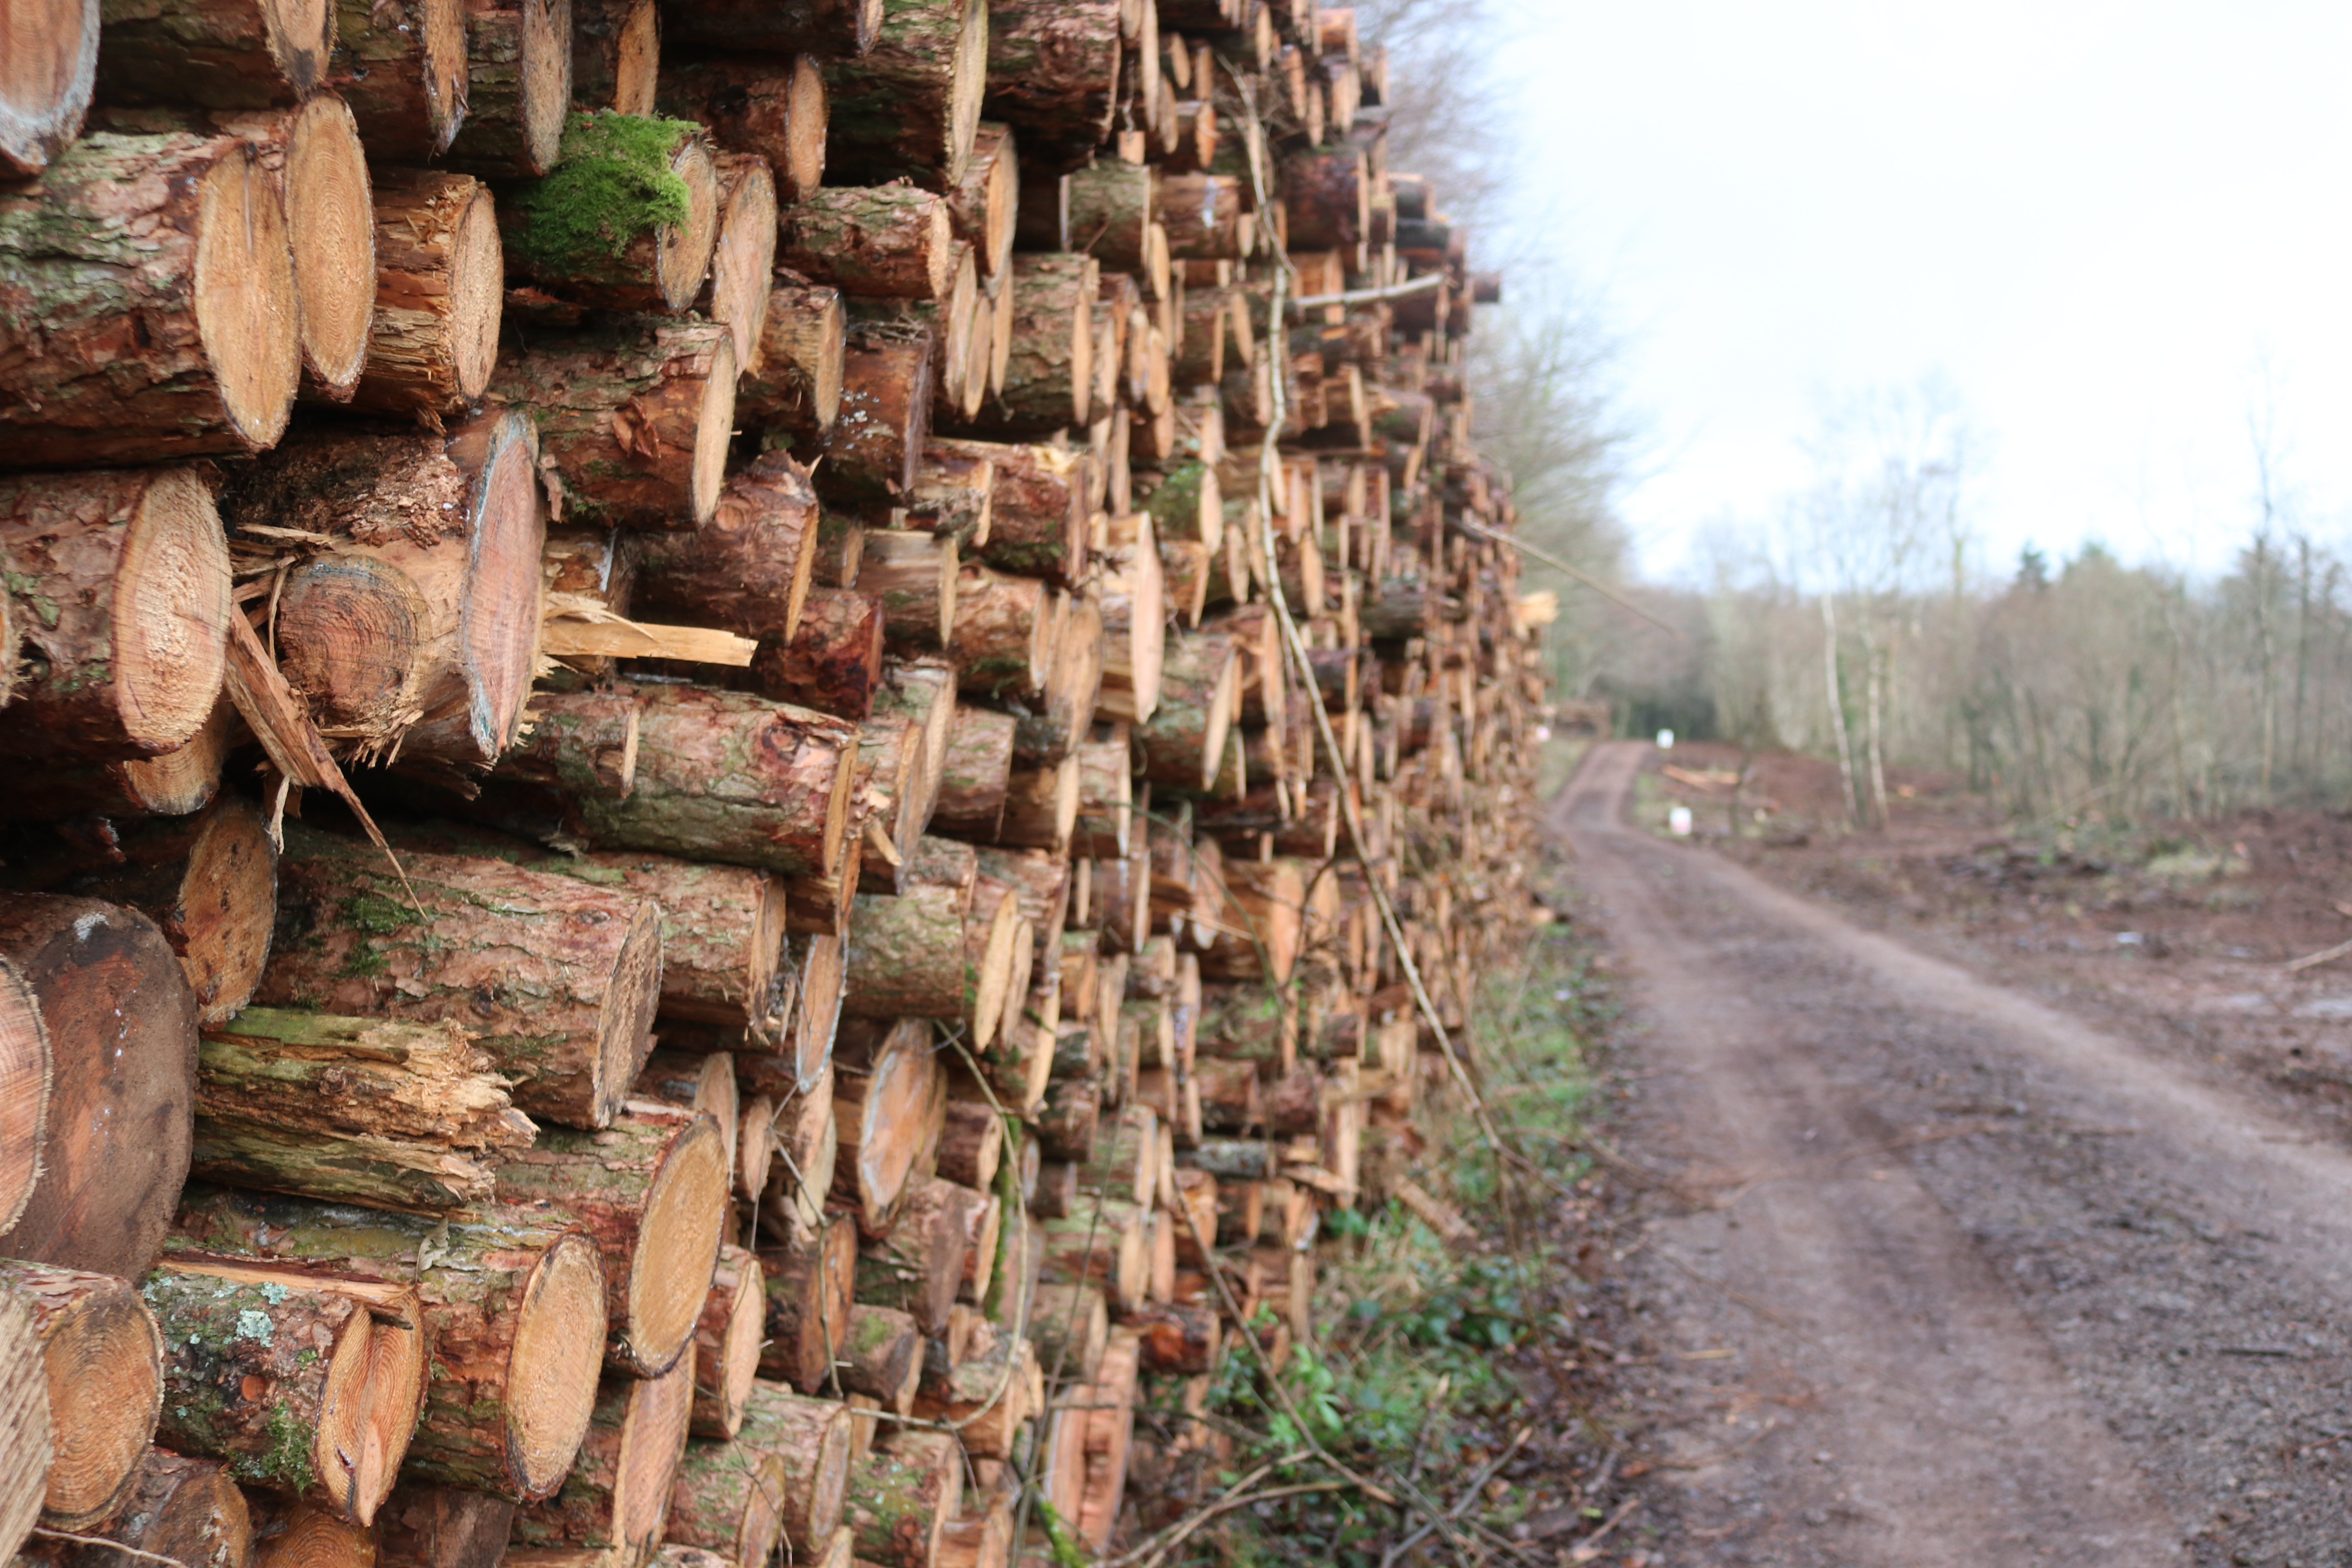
column 659, row 1410
column 546, row 66
column 331, row 220
column 46, row 77
column 685, row 248
column 170, row 613
column 24, row 1067
column 477, row 294
column 229, row 904
column 714, row 431
column 103, row 1358
column 246, row 297
column 626, row 1020
column 742, row 266
column 677, row 1242
column 551, row 1370
column 502, row 603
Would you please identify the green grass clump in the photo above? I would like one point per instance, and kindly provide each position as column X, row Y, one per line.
column 611, row 184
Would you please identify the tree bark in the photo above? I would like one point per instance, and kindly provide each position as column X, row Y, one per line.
column 807, row 1285
column 1107, row 1250
column 512, row 1299
column 120, row 1065
column 918, row 1266
column 440, row 292
column 518, row 87
column 985, row 202
column 902, row 1501
column 728, row 1499
column 1038, row 509
column 1069, row 1324
column 185, row 236
column 882, row 1358
column 1001, row 644
column 560, row 977
column 1265, row 901
column 1184, row 743
column 1049, row 374
column 304, row 1385
column 970, row 1146
column 819, row 26
column 886, row 1094
column 722, row 930
column 1111, row 213
column 426, row 1526
column 976, row 773
column 616, row 54
column 796, row 386
column 908, row 958
column 401, row 65
column 810, row 1439
column 908, row 108
column 619, row 1491
column 773, row 109
column 633, row 417
column 745, row 571
column 834, row 662
column 727, row 1340
column 886, row 242
column 218, row 54
column 1053, row 72
column 986, row 1396
column 102, row 1356
column 1135, row 623
column 181, row 1510
column 873, row 450
column 656, row 268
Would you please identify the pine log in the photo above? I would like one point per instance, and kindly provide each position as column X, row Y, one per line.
column 1177, row 1341
column 1135, row 622
column 1259, row 922
column 755, row 1148
column 906, row 958
column 618, row 1495
column 105, row 1158
column 414, row 627
column 908, row 108
column 652, row 1189
column 727, row 1345
column 511, row 1300
column 1107, row 796
column 742, row 262
column 102, row 1356
column 811, row 1438
column 616, row 54
column 1069, row 1324
column 179, row 1509
column 1002, row 643
column 984, row 202
column 807, row 1287
column 27, row 1447
column 1066, row 1125
column 1101, row 1245
column 887, row 1093
column 401, row 65
column 580, row 742
column 560, row 977
column 822, row 962
column 1037, row 507
column 635, row 417
column 872, row 452
column 1111, row 212
column 1184, row 743
column 438, row 294
column 982, row 1539
column 1049, row 376
column 886, row 242
column 914, row 575
column 834, row 662
column 118, row 590
column 727, row 1499
column 306, row 1385
column 918, row 1266
column 518, row 87
column 796, row 386
column 756, row 104
column 176, row 782
column 975, row 773
column 902, row 1500
column 882, row 1358
column 970, row 1144
column 722, row 930
column 1052, row 71
column 818, row 26
column 630, row 258
column 425, row 1526
column 304, row 1534
column 220, row 54
column 695, row 1081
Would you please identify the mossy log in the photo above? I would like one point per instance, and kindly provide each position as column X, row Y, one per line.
column 1111, row 210
column 834, row 662
column 217, row 54
column 304, row 1385
column 907, row 108
column 747, row 569
column 416, row 630
column 361, row 1109
column 1049, row 369
column 728, row 1499
column 907, row 957
column 439, row 294
column 975, row 773
column 633, row 259
column 618, row 1494
column 616, row 54
column 518, row 88
column 807, row 1285
column 902, row 1500
column 513, row 1299
column 178, row 1509
column 887, row 1096
column 102, row 1357
column 882, row 1357
column 817, row 26
column 560, row 977
column 635, row 417
column 1053, row 73
column 810, row 1439
column 883, row 242
column 760, row 105
column 727, row 1339
column 401, row 65
column 796, row 386
column 95, row 1010
column 1103, row 1245
column 422, row 1525
column 653, row 1190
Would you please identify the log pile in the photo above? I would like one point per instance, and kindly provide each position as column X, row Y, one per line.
column 710, row 880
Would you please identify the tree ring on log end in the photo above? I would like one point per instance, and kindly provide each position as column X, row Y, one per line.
column 104, row 1363
column 477, row 294
column 45, row 76
column 351, row 626
column 301, row 36
column 626, row 1020
column 551, row 1369
column 24, row 1067
column 398, row 1352
column 653, row 1437
column 170, row 611
column 747, row 1322
column 180, row 782
column 971, row 83
column 714, row 430
column 682, row 250
column 502, row 580
column 331, row 219
column 228, row 900
column 337, row 1445
column 546, row 80
column 678, row 1245
column 245, row 303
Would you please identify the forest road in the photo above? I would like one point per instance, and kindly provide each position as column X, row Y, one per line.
column 1942, row 1274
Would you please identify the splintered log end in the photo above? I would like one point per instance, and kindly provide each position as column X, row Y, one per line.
column 440, row 294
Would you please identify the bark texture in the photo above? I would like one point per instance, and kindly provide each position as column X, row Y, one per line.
column 438, row 293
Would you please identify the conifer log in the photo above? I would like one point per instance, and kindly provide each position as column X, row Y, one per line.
column 93, row 1005
column 885, row 242
column 1111, row 212
column 1264, row 900
column 903, row 1499
column 417, row 627
column 560, row 977
column 727, row 1339
column 41, row 111
column 970, row 1144
column 518, row 87
column 402, row 1116
column 746, row 570
column 981, row 1540
column 652, row 1189
column 872, row 452
column 183, row 235
column 401, row 65
column 985, row 200
column 513, row 1300
column 304, row 1385
column 907, row 957
column 1002, row 643
column 722, row 930
column 306, row 1535
column 440, row 292
column 757, row 104
column 742, row 261
column 822, row 961
column 618, row 1495
column 1135, row 623
column 635, row 417
column 1207, row 218
column 176, row 782
column 887, row 1092
column 102, row 1357
column 1183, row 742
column 1038, row 509
column 796, row 386
column 616, row 54
column 1068, row 1324
column 1053, row 72
column 217, row 54
column 810, row 1439
column 907, row 108
column 918, row 1267
column 695, row 1081
column 822, row 28
column 985, row 1396
column 634, row 262
column 425, row 1526
column 883, row 1356
column 180, row 1510
column 580, row 742
column 1041, row 808
column 1049, row 374
column 975, row 774
column 727, row 1499
column 1325, row 196
column 1107, row 1249
column 807, row 1285
column 914, row 575
column 833, row 663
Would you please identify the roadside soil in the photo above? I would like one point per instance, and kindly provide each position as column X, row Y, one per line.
column 1969, row 1233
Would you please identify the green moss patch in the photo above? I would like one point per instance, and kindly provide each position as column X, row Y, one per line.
column 611, row 183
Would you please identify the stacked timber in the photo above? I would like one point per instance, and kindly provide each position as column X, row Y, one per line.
column 710, row 707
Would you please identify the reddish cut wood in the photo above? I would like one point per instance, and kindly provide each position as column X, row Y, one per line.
column 46, row 87
column 833, row 661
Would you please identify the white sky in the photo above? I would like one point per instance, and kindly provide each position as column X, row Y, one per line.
column 2097, row 220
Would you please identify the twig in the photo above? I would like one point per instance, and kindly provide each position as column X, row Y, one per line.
column 1371, row 295
column 2314, row 960
column 1557, row 564
column 1586, row 1550
column 109, row 1545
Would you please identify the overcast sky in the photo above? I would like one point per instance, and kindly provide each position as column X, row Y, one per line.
column 2097, row 220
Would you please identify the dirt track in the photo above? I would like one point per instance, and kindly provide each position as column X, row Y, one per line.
column 1996, row 1286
